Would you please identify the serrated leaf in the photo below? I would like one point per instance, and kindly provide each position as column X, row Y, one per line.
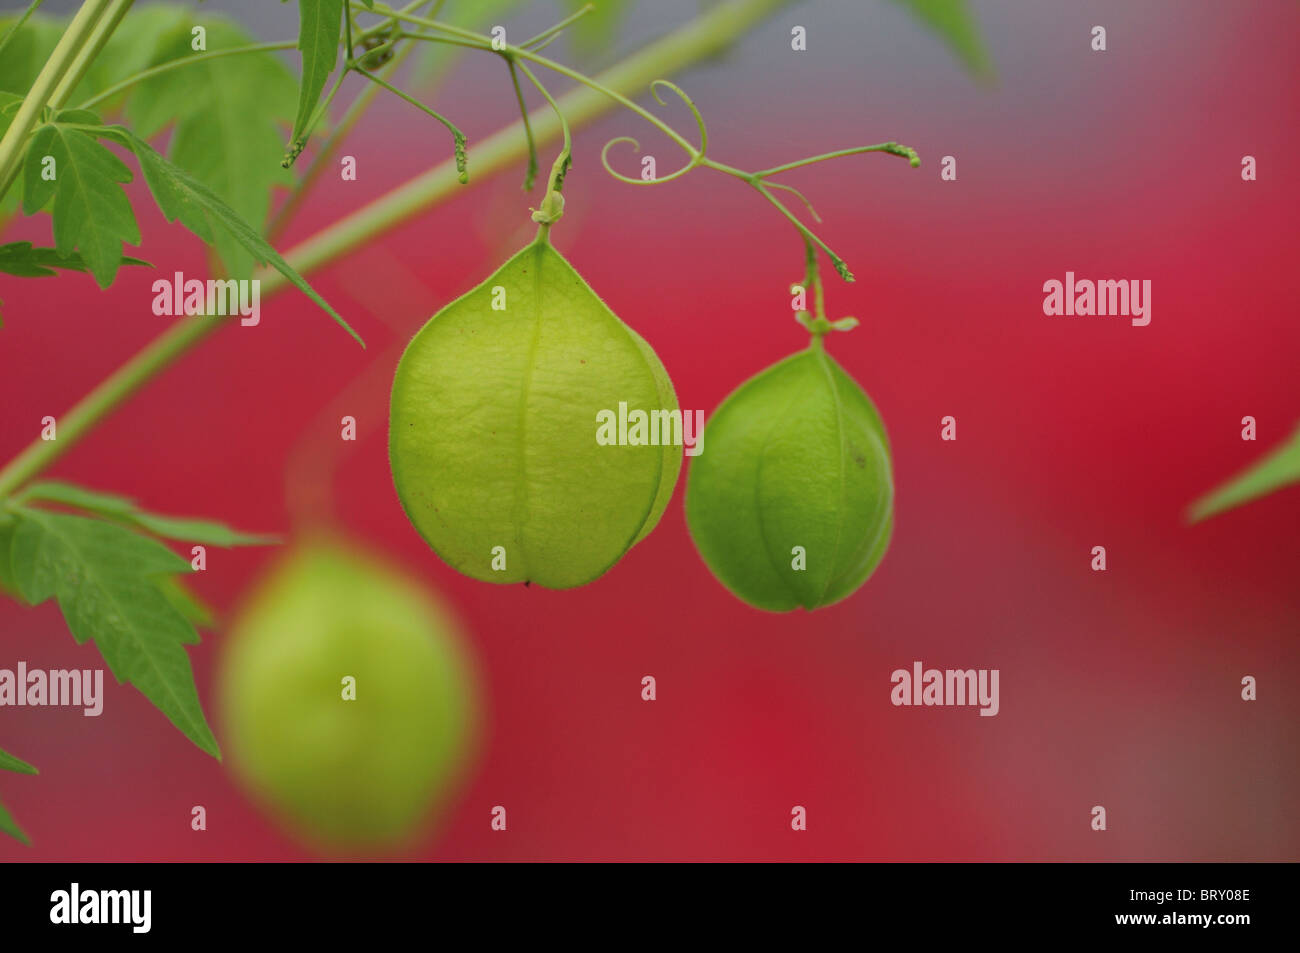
column 104, row 577
column 188, row 604
column 26, row 261
column 1279, row 468
column 91, row 210
column 9, row 826
column 9, row 763
column 199, row 531
column 227, row 117
column 320, row 26
column 952, row 20
column 185, row 529
column 180, row 196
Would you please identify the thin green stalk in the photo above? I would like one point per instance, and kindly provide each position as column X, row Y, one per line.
column 809, row 235
column 559, row 27
column 86, row 55
column 553, row 203
column 322, row 157
column 696, row 41
column 458, row 137
column 178, row 64
column 893, row 148
column 476, row 39
column 530, row 176
column 13, row 30
column 29, row 113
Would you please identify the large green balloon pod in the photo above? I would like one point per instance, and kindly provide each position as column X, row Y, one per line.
column 492, row 437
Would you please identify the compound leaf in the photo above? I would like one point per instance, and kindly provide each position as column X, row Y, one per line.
column 91, row 211
column 181, row 196
column 104, row 577
column 26, row 261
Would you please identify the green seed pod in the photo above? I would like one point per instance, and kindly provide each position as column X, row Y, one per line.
column 792, row 503
column 494, row 423
column 348, row 702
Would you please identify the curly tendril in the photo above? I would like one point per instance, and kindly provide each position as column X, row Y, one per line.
column 690, row 104
column 636, row 147
column 696, row 154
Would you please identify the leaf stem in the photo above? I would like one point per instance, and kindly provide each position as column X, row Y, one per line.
column 29, row 113
column 530, row 176
column 180, row 62
column 458, row 137
column 893, row 148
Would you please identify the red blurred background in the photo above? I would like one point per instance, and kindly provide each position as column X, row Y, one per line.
column 1119, row 688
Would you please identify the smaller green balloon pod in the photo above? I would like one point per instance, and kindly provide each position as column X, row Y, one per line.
column 791, row 502
column 493, row 422
column 349, row 703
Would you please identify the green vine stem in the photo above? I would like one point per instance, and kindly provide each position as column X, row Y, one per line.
column 61, row 59
column 86, row 55
column 694, row 42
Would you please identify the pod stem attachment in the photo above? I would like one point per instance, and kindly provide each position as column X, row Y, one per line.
column 817, row 323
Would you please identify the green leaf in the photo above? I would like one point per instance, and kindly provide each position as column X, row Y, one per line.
column 188, row 604
column 147, row 36
column 91, row 210
column 180, row 196
column 104, row 577
column 7, row 583
column 25, row 261
column 226, row 117
column 319, row 28
column 1277, row 469
column 69, row 494
column 199, row 531
column 952, row 20
column 124, row 508
column 7, row 824
column 9, row 763
column 10, row 827
column 27, row 51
